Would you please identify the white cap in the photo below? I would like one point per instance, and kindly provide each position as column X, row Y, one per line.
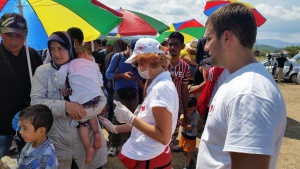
column 144, row 45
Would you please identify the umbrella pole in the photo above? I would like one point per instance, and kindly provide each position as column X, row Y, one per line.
column 92, row 46
column 26, row 44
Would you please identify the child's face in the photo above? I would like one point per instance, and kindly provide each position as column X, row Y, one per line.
column 191, row 110
column 27, row 131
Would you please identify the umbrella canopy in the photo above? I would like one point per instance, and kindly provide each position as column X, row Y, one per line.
column 47, row 16
column 135, row 23
column 213, row 5
column 190, row 29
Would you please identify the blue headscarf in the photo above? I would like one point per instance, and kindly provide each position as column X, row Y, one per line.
column 65, row 40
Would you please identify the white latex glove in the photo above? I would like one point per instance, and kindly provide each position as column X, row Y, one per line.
column 137, row 110
column 122, row 114
column 108, row 125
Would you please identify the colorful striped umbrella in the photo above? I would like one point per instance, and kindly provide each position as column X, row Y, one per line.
column 190, row 29
column 47, row 16
column 135, row 23
column 213, row 5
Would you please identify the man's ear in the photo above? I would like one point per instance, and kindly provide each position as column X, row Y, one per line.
column 183, row 46
column 227, row 36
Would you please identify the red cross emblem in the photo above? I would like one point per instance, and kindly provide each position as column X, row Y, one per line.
column 143, row 108
column 141, row 48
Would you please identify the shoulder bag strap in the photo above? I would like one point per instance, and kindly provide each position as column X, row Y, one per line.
column 13, row 75
column 119, row 58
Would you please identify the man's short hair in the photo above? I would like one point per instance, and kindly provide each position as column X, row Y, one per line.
column 177, row 35
column 39, row 116
column 237, row 18
column 98, row 41
column 76, row 33
column 103, row 42
column 13, row 22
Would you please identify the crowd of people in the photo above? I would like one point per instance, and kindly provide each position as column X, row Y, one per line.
column 141, row 92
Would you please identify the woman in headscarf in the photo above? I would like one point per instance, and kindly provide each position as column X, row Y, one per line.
column 65, row 137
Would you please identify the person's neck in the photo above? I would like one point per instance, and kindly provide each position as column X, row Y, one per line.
column 241, row 59
column 174, row 60
column 16, row 54
column 39, row 141
column 127, row 54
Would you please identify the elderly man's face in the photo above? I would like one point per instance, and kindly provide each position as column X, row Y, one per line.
column 13, row 42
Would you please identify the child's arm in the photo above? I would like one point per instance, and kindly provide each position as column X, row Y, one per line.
column 61, row 76
column 189, row 127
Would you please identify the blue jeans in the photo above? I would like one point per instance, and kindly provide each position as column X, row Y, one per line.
column 5, row 143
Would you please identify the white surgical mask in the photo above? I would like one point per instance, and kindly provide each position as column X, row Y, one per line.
column 144, row 74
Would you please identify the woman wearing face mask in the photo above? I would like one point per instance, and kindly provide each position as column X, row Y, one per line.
column 69, row 148
column 153, row 124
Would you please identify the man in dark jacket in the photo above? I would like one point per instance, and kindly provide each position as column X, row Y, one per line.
column 13, row 31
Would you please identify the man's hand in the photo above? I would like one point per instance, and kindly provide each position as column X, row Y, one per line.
column 122, row 114
column 108, row 125
column 127, row 76
column 75, row 110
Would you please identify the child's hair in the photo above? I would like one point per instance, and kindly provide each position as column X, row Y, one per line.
column 39, row 116
column 192, row 102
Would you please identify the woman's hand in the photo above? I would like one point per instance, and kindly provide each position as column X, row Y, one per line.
column 123, row 114
column 75, row 110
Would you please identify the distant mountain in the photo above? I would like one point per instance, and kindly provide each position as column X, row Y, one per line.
column 275, row 43
column 265, row 47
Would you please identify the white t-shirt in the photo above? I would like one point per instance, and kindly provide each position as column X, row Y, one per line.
column 221, row 79
column 161, row 93
column 247, row 115
column 84, row 77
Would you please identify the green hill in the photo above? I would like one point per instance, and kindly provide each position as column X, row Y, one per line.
column 265, row 47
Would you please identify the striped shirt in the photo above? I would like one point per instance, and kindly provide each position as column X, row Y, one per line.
column 180, row 74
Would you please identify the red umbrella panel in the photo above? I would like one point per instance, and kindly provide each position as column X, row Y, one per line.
column 213, row 5
column 135, row 23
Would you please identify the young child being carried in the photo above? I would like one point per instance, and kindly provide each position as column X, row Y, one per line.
column 187, row 141
column 81, row 80
column 39, row 152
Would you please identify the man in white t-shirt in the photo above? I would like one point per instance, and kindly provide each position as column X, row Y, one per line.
column 247, row 116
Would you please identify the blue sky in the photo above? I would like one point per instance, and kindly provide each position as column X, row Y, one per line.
column 283, row 16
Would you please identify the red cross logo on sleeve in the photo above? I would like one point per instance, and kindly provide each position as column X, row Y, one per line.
column 143, row 108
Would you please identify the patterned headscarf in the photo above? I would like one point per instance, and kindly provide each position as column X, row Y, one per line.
column 65, row 40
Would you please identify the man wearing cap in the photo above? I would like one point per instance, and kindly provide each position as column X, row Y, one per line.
column 13, row 31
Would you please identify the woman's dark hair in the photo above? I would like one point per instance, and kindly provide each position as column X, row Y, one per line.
column 39, row 116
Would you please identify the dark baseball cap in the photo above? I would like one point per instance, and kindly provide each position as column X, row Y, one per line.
column 13, row 22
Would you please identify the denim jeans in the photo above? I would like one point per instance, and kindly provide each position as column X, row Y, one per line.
column 5, row 143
